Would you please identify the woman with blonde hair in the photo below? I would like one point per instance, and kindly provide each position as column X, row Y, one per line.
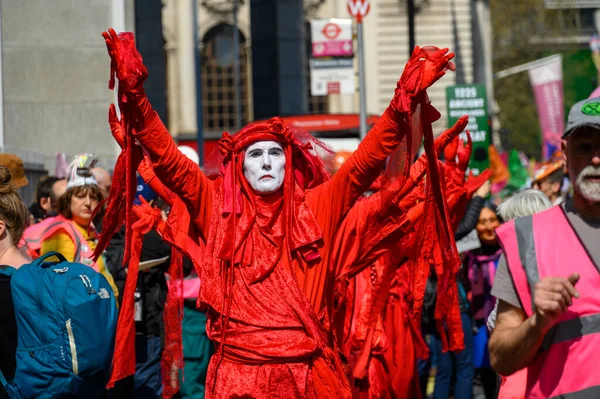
column 13, row 215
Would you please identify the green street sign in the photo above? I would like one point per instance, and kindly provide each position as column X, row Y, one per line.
column 471, row 100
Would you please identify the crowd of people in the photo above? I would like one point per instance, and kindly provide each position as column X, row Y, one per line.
column 272, row 275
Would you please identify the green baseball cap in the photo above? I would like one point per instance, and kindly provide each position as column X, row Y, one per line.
column 584, row 113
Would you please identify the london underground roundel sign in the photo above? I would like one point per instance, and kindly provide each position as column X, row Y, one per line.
column 359, row 8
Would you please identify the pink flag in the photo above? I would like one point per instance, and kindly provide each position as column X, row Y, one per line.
column 547, row 83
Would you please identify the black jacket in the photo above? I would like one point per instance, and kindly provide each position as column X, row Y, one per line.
column 152, row 283
column 469, row 221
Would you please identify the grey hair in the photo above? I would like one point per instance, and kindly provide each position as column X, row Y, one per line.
column 523, row 204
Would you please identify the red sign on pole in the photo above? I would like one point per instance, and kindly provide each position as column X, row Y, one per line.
column 359, row 8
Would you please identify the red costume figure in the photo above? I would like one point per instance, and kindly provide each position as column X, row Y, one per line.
column 265, row 267
column 373, row 321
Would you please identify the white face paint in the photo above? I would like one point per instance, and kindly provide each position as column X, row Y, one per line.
column 264, row 166
column 588, row 183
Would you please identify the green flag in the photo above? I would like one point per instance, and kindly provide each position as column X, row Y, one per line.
column 518, row 173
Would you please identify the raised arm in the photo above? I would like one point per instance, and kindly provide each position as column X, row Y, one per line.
column 174, row 169
column 178, row 173
column 145, row 168
column 374, row 227
column 424, row 68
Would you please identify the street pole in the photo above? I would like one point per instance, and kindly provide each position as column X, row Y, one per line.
column 236, row 68
column 411, row 26
column 118, row 24
column 1, row 88
column 199, row 110
column 362, row 89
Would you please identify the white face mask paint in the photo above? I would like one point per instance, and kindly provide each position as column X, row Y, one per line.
column 588, row 183
column 264, row 166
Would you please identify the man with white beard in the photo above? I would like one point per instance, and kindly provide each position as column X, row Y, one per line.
column 548, row 277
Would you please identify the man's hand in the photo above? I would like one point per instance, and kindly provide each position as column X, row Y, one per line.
column 435, row 62
column 125, row 61
column 425, row 67
column 484, row 190
column 552, row 297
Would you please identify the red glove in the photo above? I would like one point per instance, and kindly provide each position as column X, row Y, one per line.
column 125, row 61
column 418, row 169
column 145, row 168
column 445, row 139
column 450, row 153
column 464, row 153
column 425, row 67
column 116, row 127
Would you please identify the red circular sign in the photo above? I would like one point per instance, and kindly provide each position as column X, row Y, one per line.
column 359, row 8
column 331, row 30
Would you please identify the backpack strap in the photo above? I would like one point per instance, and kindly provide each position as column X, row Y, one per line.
column 3, row 380
column 7, row 271
column 39, row 262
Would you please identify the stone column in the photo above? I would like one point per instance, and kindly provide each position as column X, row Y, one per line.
column 149, row 40
column 278, row 58
column 186, row 64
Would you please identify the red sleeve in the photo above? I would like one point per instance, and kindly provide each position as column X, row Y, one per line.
column 332, row 200
column 176, row 171
column 364, row 236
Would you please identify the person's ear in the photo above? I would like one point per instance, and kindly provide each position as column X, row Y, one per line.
column 46, row 204
column 3, row 229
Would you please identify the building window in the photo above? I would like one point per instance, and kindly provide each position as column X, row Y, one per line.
column 560, row 22
column 316, row 104
column 218, row 89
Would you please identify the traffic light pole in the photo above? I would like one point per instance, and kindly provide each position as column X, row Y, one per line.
column 411, row 26
column 362, row 89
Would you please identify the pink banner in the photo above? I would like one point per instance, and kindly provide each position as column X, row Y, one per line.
column 547, row 83
column 333, row 48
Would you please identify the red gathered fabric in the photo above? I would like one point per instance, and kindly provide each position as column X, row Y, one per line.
column 172, row 359
column 437, row 248
column 399, row 245
column 124, row 355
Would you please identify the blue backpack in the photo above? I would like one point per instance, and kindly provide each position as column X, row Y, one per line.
column 66, row 317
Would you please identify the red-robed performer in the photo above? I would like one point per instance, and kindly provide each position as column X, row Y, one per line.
column 383, row 338
column 373, row 312
column 268, row 221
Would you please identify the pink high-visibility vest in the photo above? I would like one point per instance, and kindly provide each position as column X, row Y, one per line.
column 35, row 234
column 545, row 245
column 514, row 385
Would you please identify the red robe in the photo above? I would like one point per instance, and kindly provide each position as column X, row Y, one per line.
column 377, row 336
column 375, row 320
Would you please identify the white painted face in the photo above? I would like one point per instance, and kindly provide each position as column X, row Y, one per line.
column 264, row 166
